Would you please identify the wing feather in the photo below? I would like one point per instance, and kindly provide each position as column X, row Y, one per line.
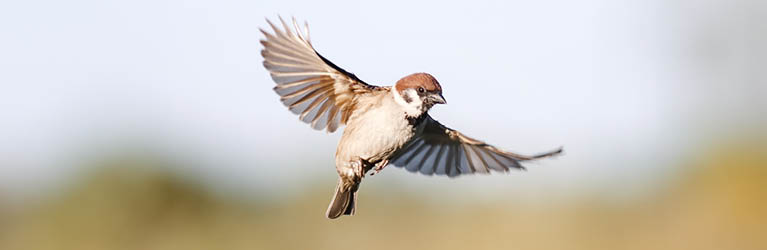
column 454, row 153
column 323, row 94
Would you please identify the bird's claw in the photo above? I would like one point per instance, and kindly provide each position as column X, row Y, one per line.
column 380, row 166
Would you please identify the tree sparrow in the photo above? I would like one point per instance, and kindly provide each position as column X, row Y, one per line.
column 384, row 124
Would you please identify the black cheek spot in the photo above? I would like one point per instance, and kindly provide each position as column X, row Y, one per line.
column 407, row 98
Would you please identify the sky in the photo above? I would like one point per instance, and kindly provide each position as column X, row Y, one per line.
column 628, row 88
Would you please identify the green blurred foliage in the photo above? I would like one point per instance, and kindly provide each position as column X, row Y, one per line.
column 717, row 201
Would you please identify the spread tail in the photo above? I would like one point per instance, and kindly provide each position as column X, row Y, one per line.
column 344, row 200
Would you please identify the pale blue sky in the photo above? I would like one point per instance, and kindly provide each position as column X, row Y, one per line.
column 629, row 88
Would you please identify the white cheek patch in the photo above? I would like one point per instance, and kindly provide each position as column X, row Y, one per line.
column 412, row 108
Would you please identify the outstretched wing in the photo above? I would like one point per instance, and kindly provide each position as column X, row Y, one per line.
column 308, row 84
column 444, row 151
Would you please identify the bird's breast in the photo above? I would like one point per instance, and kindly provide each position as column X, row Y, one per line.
column 374, row 135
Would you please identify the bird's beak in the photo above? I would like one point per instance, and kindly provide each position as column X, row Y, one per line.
column 438, row 99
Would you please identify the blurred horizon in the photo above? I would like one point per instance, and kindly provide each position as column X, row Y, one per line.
column 153, row 124
column 139, row 203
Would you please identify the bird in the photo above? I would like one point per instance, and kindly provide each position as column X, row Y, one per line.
column 385, row 125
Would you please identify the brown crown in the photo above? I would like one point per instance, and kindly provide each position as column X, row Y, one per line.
column 416, row 80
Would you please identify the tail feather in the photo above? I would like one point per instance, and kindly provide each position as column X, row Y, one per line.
column 352, row 205
column 344, row 200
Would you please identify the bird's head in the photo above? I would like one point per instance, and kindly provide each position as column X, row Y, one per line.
column 418, row 93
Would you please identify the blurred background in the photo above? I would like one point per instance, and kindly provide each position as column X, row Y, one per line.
column 152, row 125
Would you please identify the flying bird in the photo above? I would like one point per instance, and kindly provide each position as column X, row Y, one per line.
column 384, row 124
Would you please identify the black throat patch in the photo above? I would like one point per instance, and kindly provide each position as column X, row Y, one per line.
column 415, row 121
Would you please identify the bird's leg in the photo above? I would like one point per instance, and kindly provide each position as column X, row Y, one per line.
column 359, row 168
column 380, row 166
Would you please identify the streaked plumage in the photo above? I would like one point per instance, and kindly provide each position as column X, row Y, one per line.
column 384, row 124
column 323, row 94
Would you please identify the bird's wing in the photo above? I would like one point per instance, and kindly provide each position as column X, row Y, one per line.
column 323, row 94
column 443, row 151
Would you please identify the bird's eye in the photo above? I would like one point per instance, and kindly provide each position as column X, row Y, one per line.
column 421, row 90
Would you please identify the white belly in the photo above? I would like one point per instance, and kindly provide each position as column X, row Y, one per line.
column 374, row 135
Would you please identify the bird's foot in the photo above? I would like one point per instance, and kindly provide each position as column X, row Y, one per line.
column 380, row 166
